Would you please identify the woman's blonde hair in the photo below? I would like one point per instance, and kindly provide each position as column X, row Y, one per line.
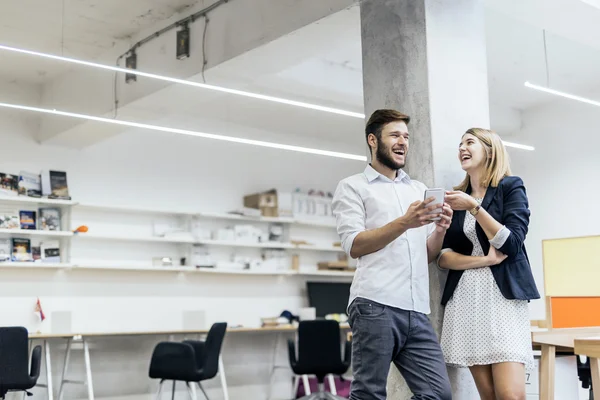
column 497, row 164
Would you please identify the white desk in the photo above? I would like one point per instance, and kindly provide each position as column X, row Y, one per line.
column 85, row 336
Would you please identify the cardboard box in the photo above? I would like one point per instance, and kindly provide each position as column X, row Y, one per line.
column 270, row 203
column 266, row 202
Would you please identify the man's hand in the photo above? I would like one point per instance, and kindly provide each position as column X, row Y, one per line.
column 421, row 213
column 444, row 223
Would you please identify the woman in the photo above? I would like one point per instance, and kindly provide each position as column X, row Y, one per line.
column 486, row 321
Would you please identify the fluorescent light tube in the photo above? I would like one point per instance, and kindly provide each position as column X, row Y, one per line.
column 562, row 94
column 593, row 3
column 206, row 135
column 518, row 146
column 186, row 82
column 189, row 133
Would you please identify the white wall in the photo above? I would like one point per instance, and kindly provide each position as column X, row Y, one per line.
column 561, row 177
column 154, row 170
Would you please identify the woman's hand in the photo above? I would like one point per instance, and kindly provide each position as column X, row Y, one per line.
column 460, row 201
column 495, row 257
column 445, row 219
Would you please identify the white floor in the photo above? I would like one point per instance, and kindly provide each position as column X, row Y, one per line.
column 243, row 393
column 254, row 393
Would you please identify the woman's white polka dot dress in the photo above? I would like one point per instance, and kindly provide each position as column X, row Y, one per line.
column 481, row 326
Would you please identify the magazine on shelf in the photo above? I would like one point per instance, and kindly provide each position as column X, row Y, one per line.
column 36, row 253
column 50, row 251
column 5, row 249
column 9, row 184
column 21, row 250
column 30, row 184
column 54, row 185
column 9, row 217
column 28, row 219
column 49, row 219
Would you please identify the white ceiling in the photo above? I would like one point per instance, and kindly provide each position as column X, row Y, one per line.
column 320, row 63
column 74, row 28
column 515, row 48
column 515, row 45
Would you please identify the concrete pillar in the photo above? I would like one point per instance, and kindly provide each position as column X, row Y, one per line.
column 427, row 58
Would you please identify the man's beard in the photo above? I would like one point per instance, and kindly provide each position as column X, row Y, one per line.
column 384, row 157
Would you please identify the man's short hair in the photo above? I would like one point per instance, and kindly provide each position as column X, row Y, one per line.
column 381, row 118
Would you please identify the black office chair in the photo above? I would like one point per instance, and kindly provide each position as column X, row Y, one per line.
column 188, row 361
column 14, row 361
column 585, row 375
column 319, row 354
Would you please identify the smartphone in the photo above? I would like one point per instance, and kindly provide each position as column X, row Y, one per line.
column 439, row 195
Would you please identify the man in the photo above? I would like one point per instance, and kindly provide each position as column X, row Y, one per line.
column 385, row 222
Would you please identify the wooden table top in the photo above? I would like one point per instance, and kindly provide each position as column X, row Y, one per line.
column 588, row 346
column 563, row 337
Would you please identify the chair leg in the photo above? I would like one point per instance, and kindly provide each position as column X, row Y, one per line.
column 159, row 389
column 314, row 396
column 295, row 386
column 203, row 392
column 306, row 384
column 321, row 387
column 330, row 396
column 191, row 391
column 64, row 371
column 331, row 381
column 173, row 391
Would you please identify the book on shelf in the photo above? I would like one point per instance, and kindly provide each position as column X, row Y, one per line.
column 9, row 217
column 27, row 219
column 36, row 253
column 54, row 185
column 5, row 249
column 50, row 251
column 49, row 219
column 21, row 250
column 9, row 184
column 9, row 221
column 30, row 184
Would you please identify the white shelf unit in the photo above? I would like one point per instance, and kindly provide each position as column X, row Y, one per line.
column 136, row 234
column 34, row 265
column 245, row 272
column 133, row 238
column 37, row 200
column 34, row 232
column 173, row 269
column 131, row 268
column 234, row 243
column 227, row 243
column 316, row 222
column 38, row 236
column 327, row 273
column 311, row 247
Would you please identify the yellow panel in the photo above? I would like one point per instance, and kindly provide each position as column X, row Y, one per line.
column 572, row 266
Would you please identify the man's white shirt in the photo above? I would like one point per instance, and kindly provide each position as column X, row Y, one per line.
column 396, row 275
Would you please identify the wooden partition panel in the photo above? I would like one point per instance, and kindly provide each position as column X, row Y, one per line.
column 572, row 267
column 575, row 312
column 572, row 281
